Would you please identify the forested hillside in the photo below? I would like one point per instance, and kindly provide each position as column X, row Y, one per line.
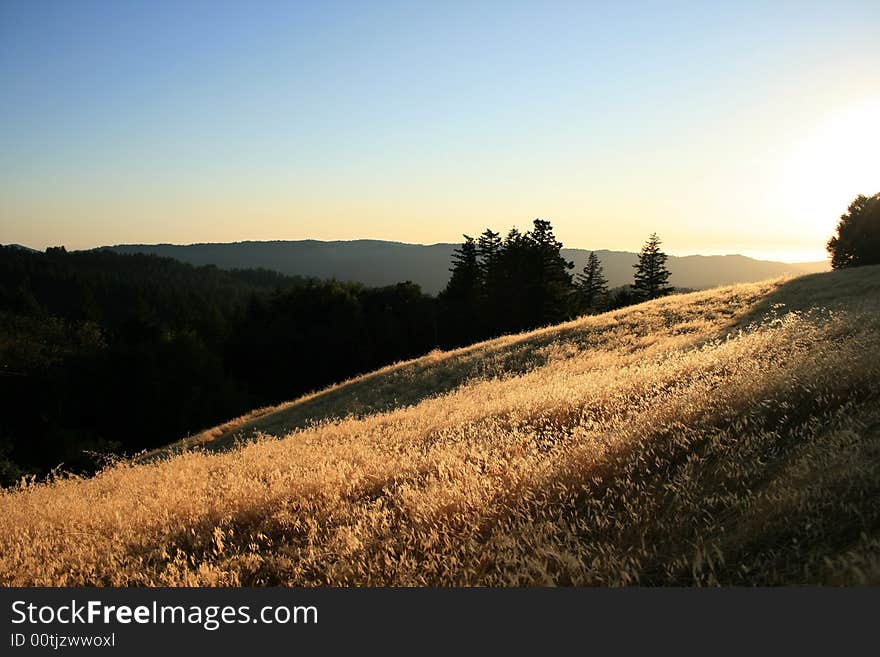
column 103, row 353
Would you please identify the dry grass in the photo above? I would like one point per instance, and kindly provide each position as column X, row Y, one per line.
column 723, row 437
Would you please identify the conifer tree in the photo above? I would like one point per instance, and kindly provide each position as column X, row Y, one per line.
column 651, row 277
column 592, row 285
column 489, row 247
column 551, row 281
column 460, row 300
column 507, row 283
column 465, row 268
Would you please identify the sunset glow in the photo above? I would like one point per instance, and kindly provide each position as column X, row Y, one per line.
column 836, row 161
column 124, row 123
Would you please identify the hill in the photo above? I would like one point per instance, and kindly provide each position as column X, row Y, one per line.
column 378, row 263
column 92, row 340
column 729, row 436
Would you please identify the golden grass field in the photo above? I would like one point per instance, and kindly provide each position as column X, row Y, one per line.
column 724, row 437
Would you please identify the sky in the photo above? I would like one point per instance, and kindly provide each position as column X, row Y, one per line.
column 741, row 127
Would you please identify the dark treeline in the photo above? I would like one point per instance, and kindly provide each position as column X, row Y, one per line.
column 103, row 353
column 522, row 281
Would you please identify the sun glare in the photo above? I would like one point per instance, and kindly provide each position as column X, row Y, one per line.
column 835, row 162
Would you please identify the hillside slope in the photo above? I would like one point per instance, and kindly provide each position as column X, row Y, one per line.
column 730, row 436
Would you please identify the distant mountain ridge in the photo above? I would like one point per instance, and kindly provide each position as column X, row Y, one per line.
column 379, row 263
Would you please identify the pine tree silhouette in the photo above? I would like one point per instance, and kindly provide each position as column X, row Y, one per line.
column 651, row 275
column 489, row 246
column 461, row 299
column 592, row 285
column 551, row 280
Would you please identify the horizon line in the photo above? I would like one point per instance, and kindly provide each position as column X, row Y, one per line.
column 768, row 258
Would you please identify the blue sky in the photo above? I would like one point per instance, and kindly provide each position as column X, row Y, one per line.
column 722, row 126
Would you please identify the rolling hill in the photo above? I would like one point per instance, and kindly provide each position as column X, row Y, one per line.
column 723, row 437
column 377, row 263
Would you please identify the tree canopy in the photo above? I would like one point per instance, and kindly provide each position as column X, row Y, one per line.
column 857, row 241
column 506, row 285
